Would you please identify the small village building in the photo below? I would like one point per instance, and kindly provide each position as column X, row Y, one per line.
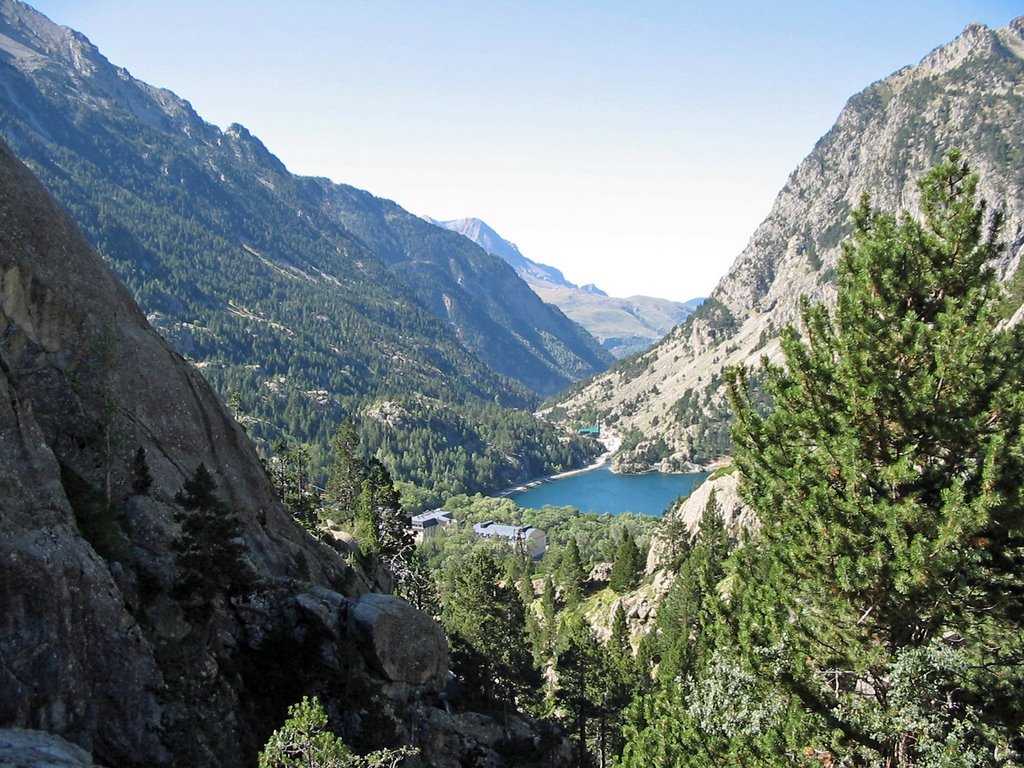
column 533, row 541
column 428, row 524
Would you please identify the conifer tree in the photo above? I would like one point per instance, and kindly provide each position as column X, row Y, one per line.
column 367, row 520
column 209, row 551
column 580, row 684
column 486, row 621
column 290, row 473
column 627, row 567
column 345, row 482
column 142, row 478
column 688, row 618
column 571, row 573
column 548, row 609
column 888, row 477
column 618, row 643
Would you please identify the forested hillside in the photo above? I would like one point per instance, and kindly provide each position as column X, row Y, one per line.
column 875, row 616
column 302, row 301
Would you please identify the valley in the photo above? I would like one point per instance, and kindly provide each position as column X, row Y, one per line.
column 290, row 475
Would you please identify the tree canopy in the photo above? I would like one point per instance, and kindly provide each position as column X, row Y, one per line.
column 875, row 618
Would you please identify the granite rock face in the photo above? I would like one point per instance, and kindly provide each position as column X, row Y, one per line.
column 736, row 515
column 95, row 645
column 967, row 94
column 400, row 642
column 36, row 749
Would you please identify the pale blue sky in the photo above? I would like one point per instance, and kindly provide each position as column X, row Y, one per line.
column 635, row 145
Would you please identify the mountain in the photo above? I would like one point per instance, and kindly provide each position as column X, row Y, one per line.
column 669, row 401
column 484, row 236
column 103, row 431
column 623, row 326
column 303, row 301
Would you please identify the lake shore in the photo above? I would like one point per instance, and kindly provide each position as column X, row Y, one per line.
column 611, row 443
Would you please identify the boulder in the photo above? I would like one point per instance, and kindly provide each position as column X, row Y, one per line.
column 399, row 641
column 38, row 749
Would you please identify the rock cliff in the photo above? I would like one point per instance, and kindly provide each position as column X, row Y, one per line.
column 967, row 94
column 101, row 425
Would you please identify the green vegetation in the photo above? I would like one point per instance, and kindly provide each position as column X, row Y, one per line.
column 436, row 451
column 876, row 617
column 628, row 567
column 305, row 741
column 485, row 618
column 209, row 553
column 518, row 630
column 576, row 541
column 298, row 299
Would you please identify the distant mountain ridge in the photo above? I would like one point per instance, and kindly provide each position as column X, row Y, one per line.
column 302, row 299
column 968, row 94
column 484, row 235
column 623, row 326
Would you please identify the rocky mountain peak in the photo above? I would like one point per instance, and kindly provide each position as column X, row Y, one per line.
column 968, row 93
column 37, row 36
column 622, row 326
column 33, row 42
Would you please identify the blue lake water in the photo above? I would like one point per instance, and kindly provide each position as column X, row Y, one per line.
column 601, row 490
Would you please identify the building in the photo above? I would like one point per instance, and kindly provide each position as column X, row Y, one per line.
column 427, row 524
column 533, row 540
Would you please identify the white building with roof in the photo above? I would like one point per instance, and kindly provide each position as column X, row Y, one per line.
column 428, row 524
column 534, row 541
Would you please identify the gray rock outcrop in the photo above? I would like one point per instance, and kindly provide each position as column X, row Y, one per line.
column 36, row 749
column 95, row 644
column 400, row 642
column 735, row 514
column 967, row 94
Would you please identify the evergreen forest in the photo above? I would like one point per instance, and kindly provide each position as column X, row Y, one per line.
column 302, row 301
column 872, row 618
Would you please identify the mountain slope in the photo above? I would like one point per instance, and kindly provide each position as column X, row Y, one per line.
column 623, row 326
column 102, row 428
column 303, row 300
column 969, row 94
column 493, row 312
column 87, row 620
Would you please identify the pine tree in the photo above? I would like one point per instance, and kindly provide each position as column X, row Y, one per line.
column 345, row 482
column 627, row 567
column 689, row 616
column 305, row 741
column 548, row 610
column 486, row 622
column 580, row 684
column 290, row 473
column 618, row 643
column 209, row 552
column 624, row 682
column 572, row 574
column 142, row 478
column 888, row 476
column 367, row 520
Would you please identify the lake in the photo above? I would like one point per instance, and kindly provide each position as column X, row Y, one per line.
column 601, row 490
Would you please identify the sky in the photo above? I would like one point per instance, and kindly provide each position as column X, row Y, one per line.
column 633, row 145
